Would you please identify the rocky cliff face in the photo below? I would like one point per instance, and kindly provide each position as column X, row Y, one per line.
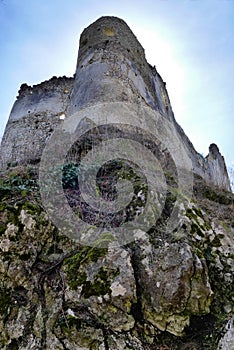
column 113, row 235
column 161, row 291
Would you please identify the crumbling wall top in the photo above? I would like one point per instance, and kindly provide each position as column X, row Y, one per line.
column 47, row 85
column 51, row 96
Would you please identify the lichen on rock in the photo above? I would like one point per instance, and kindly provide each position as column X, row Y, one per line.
column 156, row 290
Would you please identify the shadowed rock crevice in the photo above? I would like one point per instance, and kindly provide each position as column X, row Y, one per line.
column 136, row 308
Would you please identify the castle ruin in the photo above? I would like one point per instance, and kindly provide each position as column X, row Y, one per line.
column 111, row 67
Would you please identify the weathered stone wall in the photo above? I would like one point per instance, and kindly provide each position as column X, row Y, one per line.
column 111, row 67
column 34, row 116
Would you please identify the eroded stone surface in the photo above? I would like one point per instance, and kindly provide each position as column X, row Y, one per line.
column 174, row 283
column 57, row 294
column 110, row 68
column 227, row 341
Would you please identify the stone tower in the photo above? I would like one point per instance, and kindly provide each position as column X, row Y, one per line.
column 111, row 67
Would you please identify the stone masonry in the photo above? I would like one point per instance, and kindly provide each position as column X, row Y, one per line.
column 111, row 67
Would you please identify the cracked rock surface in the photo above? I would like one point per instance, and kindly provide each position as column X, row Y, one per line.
column 161, row 291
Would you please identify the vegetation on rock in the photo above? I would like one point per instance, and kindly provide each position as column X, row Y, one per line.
column 159, row 292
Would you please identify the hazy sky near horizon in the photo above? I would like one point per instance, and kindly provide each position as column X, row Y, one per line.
column 191, row 43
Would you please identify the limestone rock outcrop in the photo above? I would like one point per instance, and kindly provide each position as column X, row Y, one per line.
column 163, row 290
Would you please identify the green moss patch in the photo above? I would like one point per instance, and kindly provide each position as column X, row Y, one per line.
column 101, row 284
column 192, row 215
column 76, row 276
column 72, row 265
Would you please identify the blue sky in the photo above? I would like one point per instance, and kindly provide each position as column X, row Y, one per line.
column 191, row 42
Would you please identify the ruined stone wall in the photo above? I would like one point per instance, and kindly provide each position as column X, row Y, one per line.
column 111, row 67
column 35, row 114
